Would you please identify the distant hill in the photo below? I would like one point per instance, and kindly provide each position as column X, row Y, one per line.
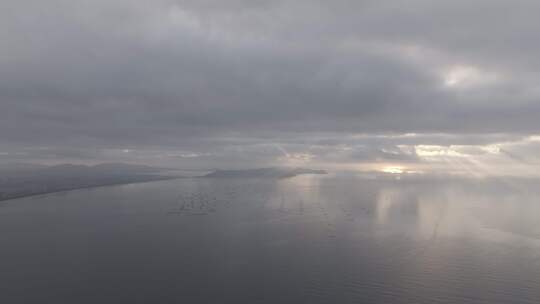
column 25, row 180
column 106, row 168
column 121, row 167
column 19, row 167
column 273, row 172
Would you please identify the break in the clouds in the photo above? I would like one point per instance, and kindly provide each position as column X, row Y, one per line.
column 243, row 83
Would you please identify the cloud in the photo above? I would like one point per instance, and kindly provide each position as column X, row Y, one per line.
column 220, row 80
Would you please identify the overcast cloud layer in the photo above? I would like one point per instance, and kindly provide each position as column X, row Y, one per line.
column 207, row 83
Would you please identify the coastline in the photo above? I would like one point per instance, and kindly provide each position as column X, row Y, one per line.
column 157, row 179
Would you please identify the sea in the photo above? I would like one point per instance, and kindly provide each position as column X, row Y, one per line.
column 336, row 238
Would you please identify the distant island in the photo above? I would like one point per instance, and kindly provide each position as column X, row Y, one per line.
column 273, row 172
column 26, row 180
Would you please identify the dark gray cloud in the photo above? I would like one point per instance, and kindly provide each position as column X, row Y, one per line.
column 221, row 82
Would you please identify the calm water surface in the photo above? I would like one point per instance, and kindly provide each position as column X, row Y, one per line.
column 310, row 239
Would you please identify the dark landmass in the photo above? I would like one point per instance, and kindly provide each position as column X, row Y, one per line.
column 263, row 173
column 22, row 180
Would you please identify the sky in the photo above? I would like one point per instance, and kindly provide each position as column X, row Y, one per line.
column 393, row 86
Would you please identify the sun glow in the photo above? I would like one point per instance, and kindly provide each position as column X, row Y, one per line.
column 393, row 169
column 466, row 76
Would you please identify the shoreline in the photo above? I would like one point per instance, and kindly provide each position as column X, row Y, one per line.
column 3, row 200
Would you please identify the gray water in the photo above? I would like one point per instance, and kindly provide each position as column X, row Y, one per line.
column 310, row 239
